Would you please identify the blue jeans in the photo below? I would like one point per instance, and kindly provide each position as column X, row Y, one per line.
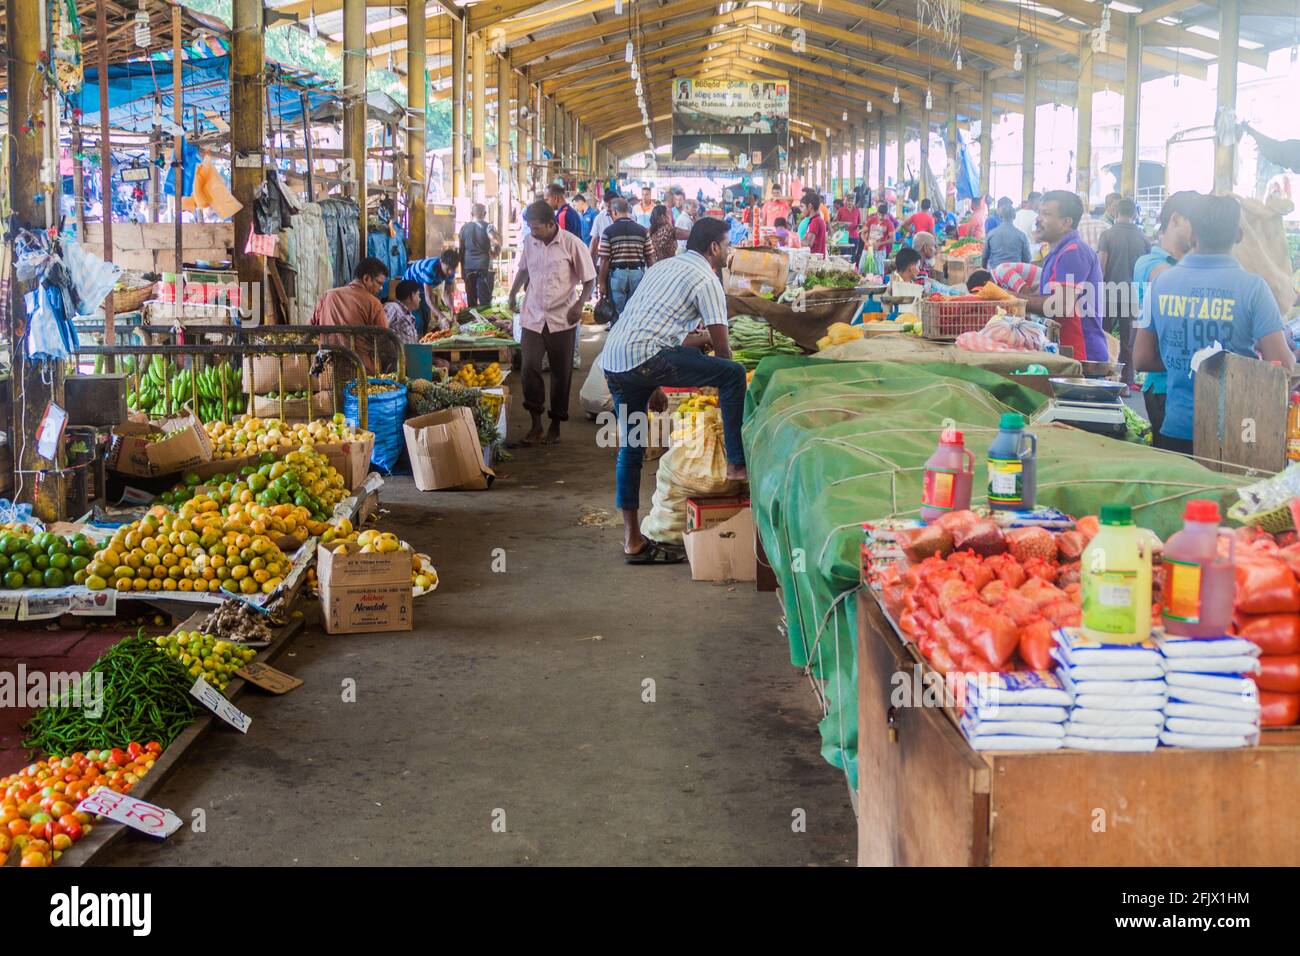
column 622, row 283
column 679, row 367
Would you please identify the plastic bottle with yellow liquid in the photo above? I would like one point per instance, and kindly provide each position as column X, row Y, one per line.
column 1115, row 571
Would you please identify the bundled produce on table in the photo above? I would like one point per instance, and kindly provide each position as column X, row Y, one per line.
column 1267, row 612
column 237, row 622
column 1005, row 333
column 697, row 403
column 196, row 549
column 752, row 340
column 378, row 384
column 977, row 598
column 136, row 692
column 430, row 337
column 424, row 397
column 304, row 479
column 39, row 559
column 248, row 435
column 38, row 804
column 839, row 333
column 161, row 378
column 831, row 277
column 964, row 248
column 470, row 377
column 205, row 655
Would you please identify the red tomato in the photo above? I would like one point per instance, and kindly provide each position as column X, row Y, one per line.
column 40, row 831
column 153, row 747
column 134, row 749
column 34, row 859
column 71, row 826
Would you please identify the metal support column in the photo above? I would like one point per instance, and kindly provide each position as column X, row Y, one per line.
column 1031, row 111
column 1225, row 154
column 986, row 134
column 416, row 142
column 1083, row 110
column 354, row 102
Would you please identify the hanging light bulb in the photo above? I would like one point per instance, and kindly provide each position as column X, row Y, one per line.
column 627, row 52
column 311, row 22
column 896, row 96
column 1295, row 51
column 636, row 73
column 959, row 61
column 868, row 107
column 142, row 26
column 929, row 99
column 1175, row 79
column 618, row 8
column 1018, row 62
column 1105, row 19
column 845, row 116
column 638, row 87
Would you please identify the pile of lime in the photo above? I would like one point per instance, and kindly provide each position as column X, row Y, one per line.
column 39, row 559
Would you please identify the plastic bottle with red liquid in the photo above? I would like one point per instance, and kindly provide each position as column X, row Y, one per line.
column 1200, row 585
column 948, row 476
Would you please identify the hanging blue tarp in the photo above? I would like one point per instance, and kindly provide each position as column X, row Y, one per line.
column 132, row 88
column 968, row 176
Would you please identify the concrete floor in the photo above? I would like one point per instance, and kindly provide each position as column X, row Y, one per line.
column 519, row 695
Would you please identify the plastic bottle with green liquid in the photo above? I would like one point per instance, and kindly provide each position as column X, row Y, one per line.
column 1115, row 572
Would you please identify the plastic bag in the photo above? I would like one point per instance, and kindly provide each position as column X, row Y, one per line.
column 698, row 457
column 1280, row 674
column 1265, row 586
column 987, row 631
column 666, row 520
column 92, row 277
column 1274, row 633
column 1277, row 709
column 385, row 414
column 1005, row 333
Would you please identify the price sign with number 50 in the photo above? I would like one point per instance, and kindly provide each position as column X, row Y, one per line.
column 145, row 817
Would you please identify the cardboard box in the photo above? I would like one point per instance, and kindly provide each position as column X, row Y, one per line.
column 445, row 451
column 262, row 374
column 361, row 593
column 135, row 451
column 704, row 513
column 724, row 552
column 756, row 271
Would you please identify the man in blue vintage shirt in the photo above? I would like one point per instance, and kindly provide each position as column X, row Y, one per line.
column 1208, row 297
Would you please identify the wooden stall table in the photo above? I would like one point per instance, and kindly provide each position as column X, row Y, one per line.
column 925, row 798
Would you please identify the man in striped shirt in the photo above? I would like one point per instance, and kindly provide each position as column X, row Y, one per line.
column 622, row 255
column 657, row 343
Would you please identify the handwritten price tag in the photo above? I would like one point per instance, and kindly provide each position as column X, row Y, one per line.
column 145, row 817
column 215, row 701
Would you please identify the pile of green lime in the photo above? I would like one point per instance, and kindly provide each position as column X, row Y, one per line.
column 43, row 560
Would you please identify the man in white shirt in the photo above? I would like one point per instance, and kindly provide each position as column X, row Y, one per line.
column 684, row 218
column 656, row 343
column 1027, row 217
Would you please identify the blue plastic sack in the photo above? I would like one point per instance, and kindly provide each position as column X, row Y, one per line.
column 385, row 414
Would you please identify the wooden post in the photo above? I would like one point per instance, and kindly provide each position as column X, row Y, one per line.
column 1031, row 111
column 1132, row 104
column 923, row 173
column 458, row 109
column 155, row 152
column 30, row 392
column 986, row 134
column 105, row 168
column 416, row 144
column 504, row 204
column 523, row 139
column 478, row 117
column 950, row 147
column 246, row 137
column 1083, row 108
column 178, row 117
column 79, row 184
column 536, row 144
column 902, row 143
column 1225, row 154
column 881, row 175
column 354, row 102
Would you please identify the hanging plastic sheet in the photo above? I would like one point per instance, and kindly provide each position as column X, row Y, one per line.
column 343, row 232
column 50, row 334
column 190, row 160
column 91, row 276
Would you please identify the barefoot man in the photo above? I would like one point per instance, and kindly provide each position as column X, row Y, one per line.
column 552, row 263
column 655, row 343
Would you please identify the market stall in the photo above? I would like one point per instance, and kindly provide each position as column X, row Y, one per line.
column 833, row 445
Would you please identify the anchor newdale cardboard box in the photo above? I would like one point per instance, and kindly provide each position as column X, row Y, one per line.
column 360, row 593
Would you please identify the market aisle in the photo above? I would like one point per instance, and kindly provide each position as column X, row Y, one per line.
column 521, row 691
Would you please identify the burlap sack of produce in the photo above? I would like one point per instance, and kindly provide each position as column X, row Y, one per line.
column 697, row 461
column 821, row 308
column 1263, row 247
column 666, row 520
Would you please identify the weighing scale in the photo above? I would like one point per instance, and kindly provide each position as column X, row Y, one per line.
column 1094, row 405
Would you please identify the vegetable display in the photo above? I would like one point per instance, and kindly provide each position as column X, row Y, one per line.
column 31, row 559
column 205, row 655
column 144, row 696
column 838, row 333
column 304, row 479
column 161, row 378
column 248, row 435
column 752, row 340
column 38, row 814
column 1267, row 611
column 473, row 378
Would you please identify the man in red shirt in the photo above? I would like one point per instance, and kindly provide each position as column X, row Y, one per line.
column 880, row 227
column 922, row 221
column 356, row 303
column 851, row 216
column 815, row 237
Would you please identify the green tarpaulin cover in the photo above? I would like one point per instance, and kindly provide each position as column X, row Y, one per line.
column 830, row 445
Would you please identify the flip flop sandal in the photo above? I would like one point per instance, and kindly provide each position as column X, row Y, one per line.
column 655, row 553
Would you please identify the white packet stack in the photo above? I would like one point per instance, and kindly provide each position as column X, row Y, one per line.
column 1212, row 703
column 1119, row 692
column 1020, row 710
